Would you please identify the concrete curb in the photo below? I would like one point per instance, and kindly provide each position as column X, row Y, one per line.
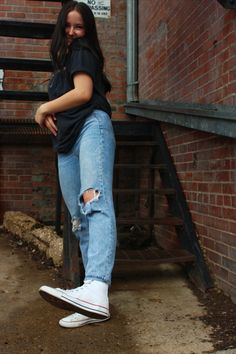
column 43, row 237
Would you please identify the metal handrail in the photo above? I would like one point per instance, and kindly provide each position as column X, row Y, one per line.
column 216, row 119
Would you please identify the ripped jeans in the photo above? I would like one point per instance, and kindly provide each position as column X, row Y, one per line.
column 89, row 166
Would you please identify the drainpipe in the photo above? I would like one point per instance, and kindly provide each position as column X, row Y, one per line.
column 1, row 79
column 132, row 50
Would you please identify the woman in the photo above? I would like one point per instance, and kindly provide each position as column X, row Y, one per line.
column 78, row 116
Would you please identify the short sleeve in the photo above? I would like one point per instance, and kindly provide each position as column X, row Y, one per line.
column 82, row 60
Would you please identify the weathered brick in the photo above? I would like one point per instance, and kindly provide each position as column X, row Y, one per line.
column 229, row 264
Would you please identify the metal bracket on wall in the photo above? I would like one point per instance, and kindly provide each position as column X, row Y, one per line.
column 228, row 4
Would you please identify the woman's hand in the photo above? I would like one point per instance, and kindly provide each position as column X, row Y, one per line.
column 50, row 124
column 41, row 115
column 46, row 119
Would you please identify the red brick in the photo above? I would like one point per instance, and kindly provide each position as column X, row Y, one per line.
column 222, row 248
column 229, row 239
column 208, row 243
column 229, row 264
column 232, row 278
column 214, row 257
column 220, row 272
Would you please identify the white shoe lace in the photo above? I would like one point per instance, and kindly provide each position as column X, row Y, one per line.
column 76, row 290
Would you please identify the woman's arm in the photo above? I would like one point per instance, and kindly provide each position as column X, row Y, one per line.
column 81, row 94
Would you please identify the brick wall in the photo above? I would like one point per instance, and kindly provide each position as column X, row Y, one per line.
column 33, row 190
column 28, row 178
column 187, row 54
column 187, row 51
column 206, row 166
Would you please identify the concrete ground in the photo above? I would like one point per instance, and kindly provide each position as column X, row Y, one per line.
column 152, row 312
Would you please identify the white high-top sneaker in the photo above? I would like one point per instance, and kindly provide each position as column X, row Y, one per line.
column 77, row 320
column 90, row 299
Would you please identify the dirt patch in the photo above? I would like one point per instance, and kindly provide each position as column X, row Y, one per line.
column 42, row 262
column 220, row 315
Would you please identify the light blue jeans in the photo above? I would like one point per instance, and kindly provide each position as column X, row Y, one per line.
column 89, row 165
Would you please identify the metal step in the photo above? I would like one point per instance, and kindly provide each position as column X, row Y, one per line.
column 167, row 220
column 150, row 257
column 153, row 255
column 23, row 95
column 26, row 29
column 26, row 64
column 136, row 143
column 160, row 191
column 140, row 165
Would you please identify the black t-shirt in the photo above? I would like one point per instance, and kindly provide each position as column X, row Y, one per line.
column 70, row 122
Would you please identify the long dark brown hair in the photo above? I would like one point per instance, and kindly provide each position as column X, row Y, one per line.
column 59, row 45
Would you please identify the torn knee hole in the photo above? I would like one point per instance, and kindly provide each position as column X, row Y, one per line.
column 90, row 202
column 90, row 195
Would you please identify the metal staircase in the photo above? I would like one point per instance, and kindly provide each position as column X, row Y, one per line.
column 136, row 223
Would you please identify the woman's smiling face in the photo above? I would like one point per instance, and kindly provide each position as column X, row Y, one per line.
column 74, row 26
